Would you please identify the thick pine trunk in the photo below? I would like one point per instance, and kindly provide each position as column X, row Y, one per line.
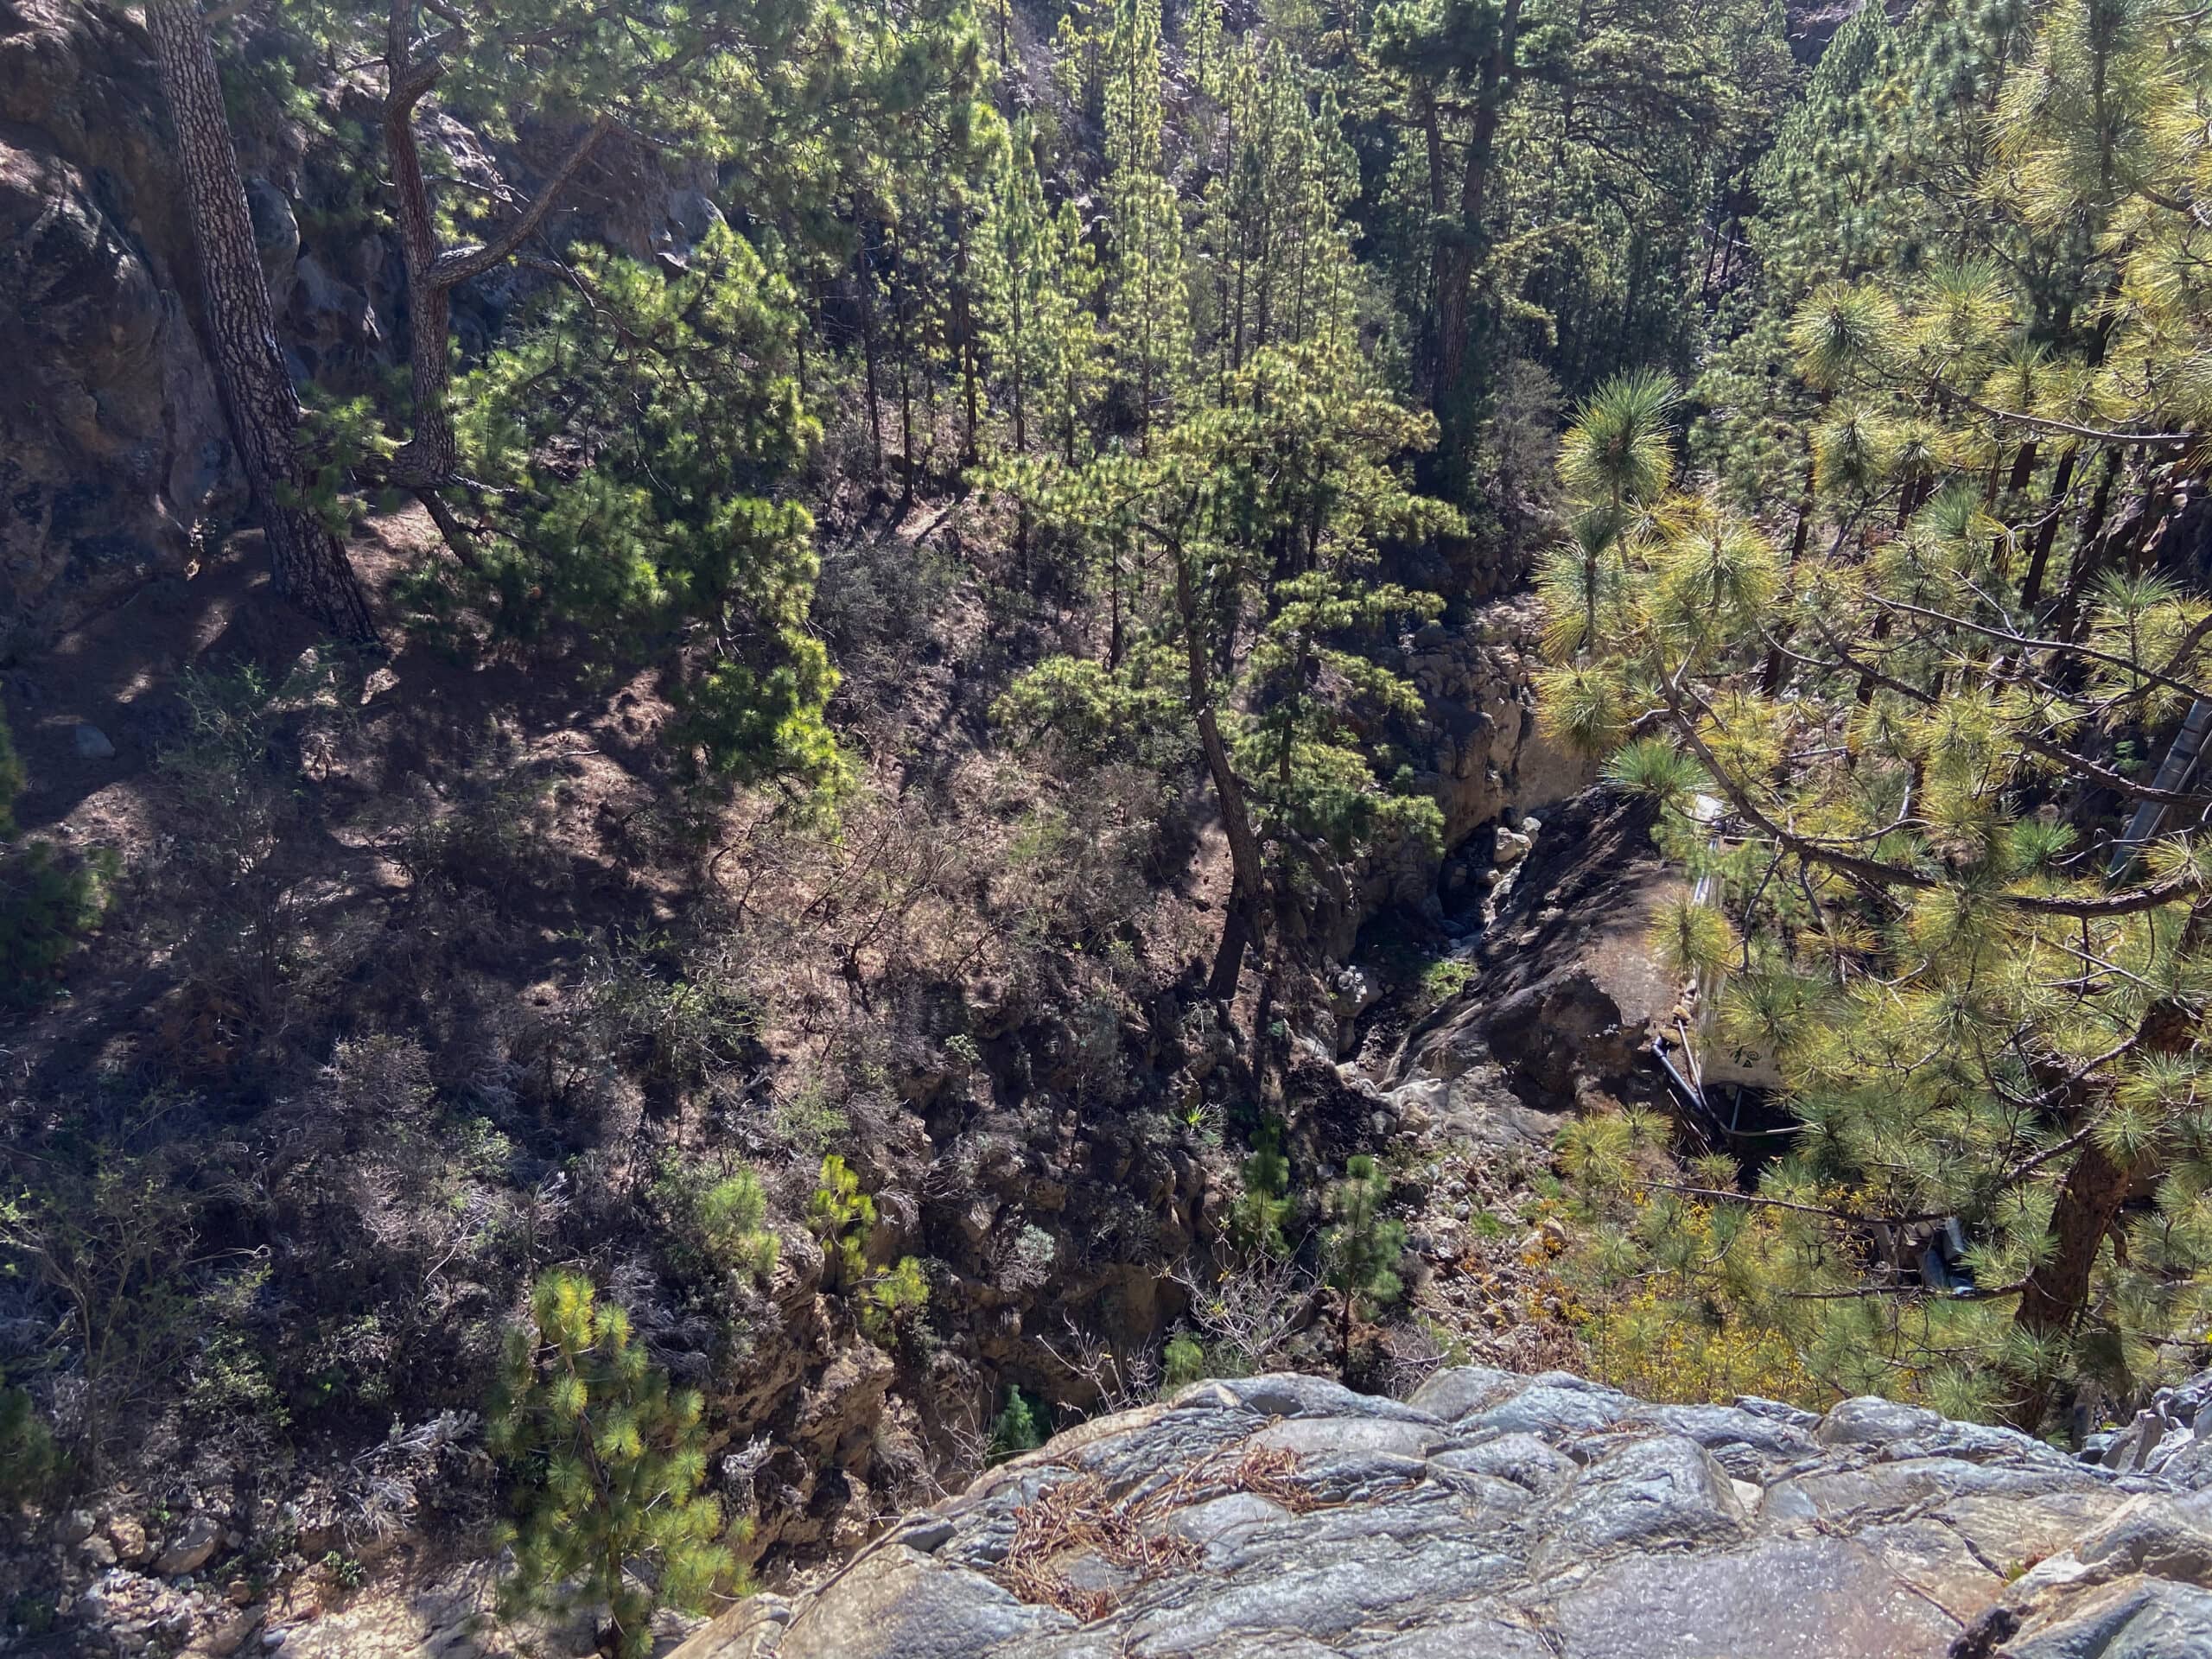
column 2088, row 1205
column 2058, row 1290
column 1246, row 875
column 1458, row 239
column 309, row 567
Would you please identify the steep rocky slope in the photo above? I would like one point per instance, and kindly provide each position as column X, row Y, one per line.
column 1511, row 1518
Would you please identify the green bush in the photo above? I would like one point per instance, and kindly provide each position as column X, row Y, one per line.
column 1255, row 1218
column 231, row 1381
column 841, row 1215
column 719, row 1220
column 49, row 903
column 607, row 1461
column 1183, row 1362
column 891, row 1301
column 28, row 1460
column 1444, row 979
column 1361, row 1251
column 1020, row 1427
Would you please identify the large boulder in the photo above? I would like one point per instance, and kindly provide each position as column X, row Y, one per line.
column 1517, row 1518
column 1564, row 993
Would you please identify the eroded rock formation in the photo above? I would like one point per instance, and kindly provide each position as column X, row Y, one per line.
column 1516, row 1517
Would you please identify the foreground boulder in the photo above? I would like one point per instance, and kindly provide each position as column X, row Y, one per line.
column 1517, row 1518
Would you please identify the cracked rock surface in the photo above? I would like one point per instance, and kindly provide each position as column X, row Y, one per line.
column 1518, row 1517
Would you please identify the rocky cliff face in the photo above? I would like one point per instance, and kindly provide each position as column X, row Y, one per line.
column 115, row 463
column 1516, row 1517
column 112, row 444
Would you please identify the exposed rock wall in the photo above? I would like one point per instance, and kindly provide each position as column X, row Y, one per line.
column 114, row 449
column 1513, row 1517
column 112, row 443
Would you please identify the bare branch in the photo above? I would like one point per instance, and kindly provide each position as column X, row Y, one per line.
column 457, row 266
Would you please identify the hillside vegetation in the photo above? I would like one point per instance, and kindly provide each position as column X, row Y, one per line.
column 855, row 730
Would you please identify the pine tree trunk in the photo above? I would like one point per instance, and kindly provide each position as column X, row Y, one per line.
column 1456, row 248
column 431, row 459
column 431, row 454
column 308, row 566
column 2089, row 1204
column 2039, row 560
column 1246, row 874
column 867, row 285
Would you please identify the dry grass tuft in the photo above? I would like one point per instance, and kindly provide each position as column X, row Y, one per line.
column 1078, row 1517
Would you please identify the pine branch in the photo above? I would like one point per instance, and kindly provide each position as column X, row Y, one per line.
column 1831, row 1213
column 2130, row 902
column 2065, row 757
column 1971, row 1293
column 2022, row 642
column 457, row 266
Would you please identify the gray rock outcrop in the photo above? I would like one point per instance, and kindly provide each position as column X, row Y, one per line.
column 112, row 443
column 1518, row 1518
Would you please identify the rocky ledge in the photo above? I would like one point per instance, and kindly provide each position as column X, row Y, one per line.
column 1516, row 1517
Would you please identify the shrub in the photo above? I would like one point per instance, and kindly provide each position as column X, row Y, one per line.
column 891, row 1301
column 841, row 1215
column 1444, row 979
column 1183, row 1362
column 28, row 1458
column 719, row 1220
column 230, row 1379
column 1362, row 1250
column 1255, row 1218
column 607, row 1462
column 49, row 903
column 1019, row 1428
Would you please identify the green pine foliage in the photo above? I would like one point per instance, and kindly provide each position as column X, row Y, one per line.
column 1276, row 501
column 1182, row 1362
column 680, row 543
column 841, row 1215
column 1255, row 1220
column 1939, row 898
column 1020, row 1427
column 28, row 1458
column 721, row 1218
column 607, row 1461
column 1360, row 1248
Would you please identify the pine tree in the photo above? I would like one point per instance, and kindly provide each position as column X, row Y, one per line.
column 1967, row 930
column 1275, row 503
column 607, row 1461
column 1360, row 1251
column 1273, row 229
column 309, row 567
column 1148, row 325
column 1543, row 173
column 680, row 544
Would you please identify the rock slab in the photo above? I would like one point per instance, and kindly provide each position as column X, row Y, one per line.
column 1516, row 1517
